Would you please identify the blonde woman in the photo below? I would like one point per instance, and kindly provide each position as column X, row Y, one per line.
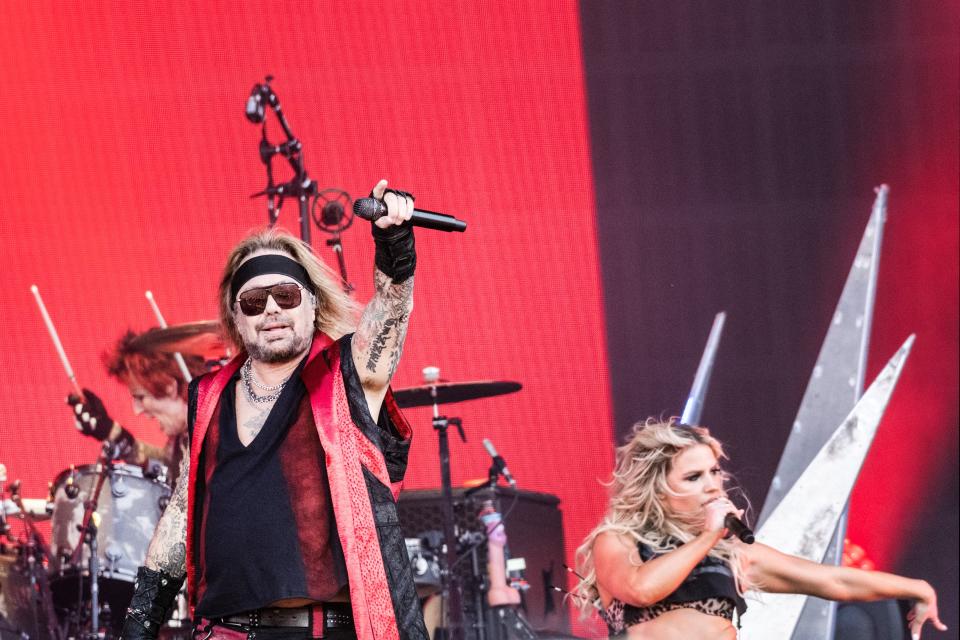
column 661, row 564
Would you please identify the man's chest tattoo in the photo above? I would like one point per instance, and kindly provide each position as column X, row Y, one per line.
column 255, row 423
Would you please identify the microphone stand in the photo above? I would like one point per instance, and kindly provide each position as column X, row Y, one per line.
column 336, row 216
column 337, row 246
column 301, row 186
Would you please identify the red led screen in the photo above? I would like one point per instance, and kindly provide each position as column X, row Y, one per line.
column 129, row 165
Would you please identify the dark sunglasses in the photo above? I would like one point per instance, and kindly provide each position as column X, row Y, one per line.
column 254, row 301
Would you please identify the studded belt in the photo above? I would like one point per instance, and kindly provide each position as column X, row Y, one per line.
column 336, row 615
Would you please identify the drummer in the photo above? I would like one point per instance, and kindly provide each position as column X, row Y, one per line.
column 158, row 390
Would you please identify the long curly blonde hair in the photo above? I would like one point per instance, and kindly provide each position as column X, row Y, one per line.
column 638, row 509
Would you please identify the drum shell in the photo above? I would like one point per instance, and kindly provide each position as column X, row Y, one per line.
column 129, row 507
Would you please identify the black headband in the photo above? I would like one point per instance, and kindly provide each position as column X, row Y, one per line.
column 270, row 263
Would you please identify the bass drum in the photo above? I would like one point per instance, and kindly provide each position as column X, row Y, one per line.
column 129, row 508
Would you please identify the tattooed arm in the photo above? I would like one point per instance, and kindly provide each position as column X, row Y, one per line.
column 378, row 342
column 168, row 548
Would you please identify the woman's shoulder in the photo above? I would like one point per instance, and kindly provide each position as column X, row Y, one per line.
column 614, row 545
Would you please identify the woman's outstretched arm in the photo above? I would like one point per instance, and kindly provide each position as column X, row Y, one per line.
column 776, row 572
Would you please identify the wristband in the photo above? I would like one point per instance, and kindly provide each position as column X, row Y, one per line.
column 396, row 254
column 153, row 596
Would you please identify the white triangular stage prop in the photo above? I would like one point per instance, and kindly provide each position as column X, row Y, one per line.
column 837, row 378
column 804, row 521
column 834, row 387
column 693, row 409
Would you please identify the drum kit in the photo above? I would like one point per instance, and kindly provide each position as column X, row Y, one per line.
column 102, row 516
column 101, row 519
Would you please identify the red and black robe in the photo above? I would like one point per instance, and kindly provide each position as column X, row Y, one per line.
column 364, row 469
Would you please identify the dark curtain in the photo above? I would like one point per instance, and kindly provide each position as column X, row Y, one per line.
column 735, row 147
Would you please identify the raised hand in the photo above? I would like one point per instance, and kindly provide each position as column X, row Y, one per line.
column 716, row 511
column 90, row 415
column 399, row 205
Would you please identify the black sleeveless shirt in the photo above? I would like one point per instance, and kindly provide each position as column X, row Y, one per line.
column 268, row 530
column 710, row 588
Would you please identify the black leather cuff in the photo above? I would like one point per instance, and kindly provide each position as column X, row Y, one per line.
column 153, row 596
column 124, row 442
column 396, row 254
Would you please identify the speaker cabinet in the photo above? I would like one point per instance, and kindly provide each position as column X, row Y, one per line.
column 534, row 528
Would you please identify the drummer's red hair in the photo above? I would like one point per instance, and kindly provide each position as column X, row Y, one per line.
column 153, row 370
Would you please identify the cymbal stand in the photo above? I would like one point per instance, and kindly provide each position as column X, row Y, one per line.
column 103, row 470
column 481, row 584
column 449, row 582
column 88, row 536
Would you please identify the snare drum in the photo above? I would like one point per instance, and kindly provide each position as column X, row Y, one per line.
column 129, row 507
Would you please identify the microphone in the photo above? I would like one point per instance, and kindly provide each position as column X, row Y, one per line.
column 260, row 94
column 738, row 528
column 372, row 209
column 499, row 462
column 332, row 213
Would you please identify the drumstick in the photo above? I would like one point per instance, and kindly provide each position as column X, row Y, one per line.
column 56, row 340
column 163, row 325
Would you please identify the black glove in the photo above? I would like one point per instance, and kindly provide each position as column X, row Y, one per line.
column 91, row 416
column 153, row 596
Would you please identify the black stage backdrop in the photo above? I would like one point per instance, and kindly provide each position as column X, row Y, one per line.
column 735, row 147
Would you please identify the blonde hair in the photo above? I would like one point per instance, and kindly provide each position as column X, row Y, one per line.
column 336, row 312
column 637, row 507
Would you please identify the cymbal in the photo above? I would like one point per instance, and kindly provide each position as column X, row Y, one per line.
column 203, row 339
column 448, row 392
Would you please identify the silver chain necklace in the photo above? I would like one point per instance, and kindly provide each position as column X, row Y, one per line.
column 246, row 375
column 248, row 367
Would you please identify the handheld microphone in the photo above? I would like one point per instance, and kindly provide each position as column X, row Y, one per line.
column 499, row 462
column 372, row 209
column 738, row 528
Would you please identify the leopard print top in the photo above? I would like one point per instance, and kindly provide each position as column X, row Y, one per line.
column 619, row 615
